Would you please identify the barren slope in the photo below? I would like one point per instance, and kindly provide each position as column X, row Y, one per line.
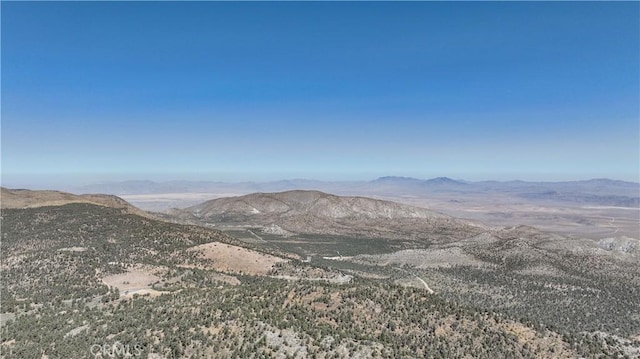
column 23, row 198
column 316, row 212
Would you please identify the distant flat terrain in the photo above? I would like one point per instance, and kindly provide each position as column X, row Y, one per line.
column 579, row 220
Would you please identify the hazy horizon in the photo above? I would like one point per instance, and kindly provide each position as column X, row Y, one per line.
column 62, row 182
column 224, row 91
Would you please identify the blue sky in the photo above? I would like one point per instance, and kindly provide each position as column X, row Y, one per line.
column 260, row 91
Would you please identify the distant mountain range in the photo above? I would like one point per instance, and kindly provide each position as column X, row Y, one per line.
column 603, row 192
column 416, row 181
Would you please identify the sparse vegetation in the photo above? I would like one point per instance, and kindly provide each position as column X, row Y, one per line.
column 56, row 303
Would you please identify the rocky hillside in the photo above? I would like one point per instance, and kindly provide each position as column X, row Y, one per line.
column 310, row 203
column 316, row 212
